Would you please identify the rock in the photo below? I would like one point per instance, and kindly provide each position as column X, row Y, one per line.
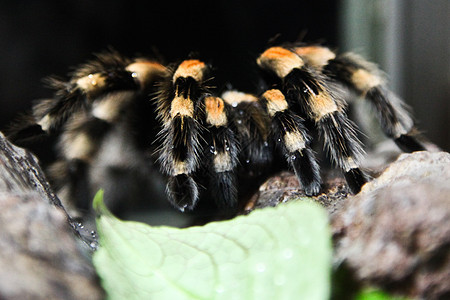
column 396, row 232
column 285, row 187
column 40, row 254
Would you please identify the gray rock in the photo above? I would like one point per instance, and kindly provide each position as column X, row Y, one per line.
column 396, row 232
column 40, row 254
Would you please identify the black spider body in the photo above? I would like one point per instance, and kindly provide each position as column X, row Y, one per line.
column 129, row 115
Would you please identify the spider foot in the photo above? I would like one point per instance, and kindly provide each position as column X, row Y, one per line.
column 182, row 192
column 409, row 144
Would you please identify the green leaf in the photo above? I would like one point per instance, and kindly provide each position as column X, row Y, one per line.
column 375, row 294
column 273, row 253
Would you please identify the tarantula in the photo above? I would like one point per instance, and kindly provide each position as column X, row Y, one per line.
column 141, row 113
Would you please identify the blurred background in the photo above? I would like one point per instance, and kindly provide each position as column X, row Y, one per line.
column 410, row 39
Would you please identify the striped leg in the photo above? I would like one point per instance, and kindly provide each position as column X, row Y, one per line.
column 179, row 110
column 367, row 81
column 307, row 88
column 222, row 150
column 289, row 133
column 337, row 131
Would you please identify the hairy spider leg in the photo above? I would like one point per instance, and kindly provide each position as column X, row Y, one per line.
column 305, row 87
column 222, row 152
column 289, row 133
column 105, row 98
column 367, row 81
column 180, row 107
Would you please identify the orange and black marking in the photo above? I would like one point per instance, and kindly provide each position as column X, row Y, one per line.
column 305, row 86
column 215, row 111
column 100, row 96
column 234, row 98
column 315, row 56
column 180, row 108
column 108, row 73
column 290, row 135
column 302, row 83
column 367, row 81
column 146, row 72
column 221, row 152
column 206, row 141
column 279, row 60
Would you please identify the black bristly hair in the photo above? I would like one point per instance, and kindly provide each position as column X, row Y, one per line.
column 250, row 123
column 291, row 137
column 195, row 124
column 101, row 95
column 319, row 101
column 180, row 109
column 367, row 81
column 126, row 115
column 221, row 152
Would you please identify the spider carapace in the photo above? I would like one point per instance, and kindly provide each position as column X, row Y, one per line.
column 122, row 114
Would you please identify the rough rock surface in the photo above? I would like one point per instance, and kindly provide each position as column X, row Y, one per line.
column 40, row 257
column 396, row 232
column 285, row 187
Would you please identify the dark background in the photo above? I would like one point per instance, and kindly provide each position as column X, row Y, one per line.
column 41, row 38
